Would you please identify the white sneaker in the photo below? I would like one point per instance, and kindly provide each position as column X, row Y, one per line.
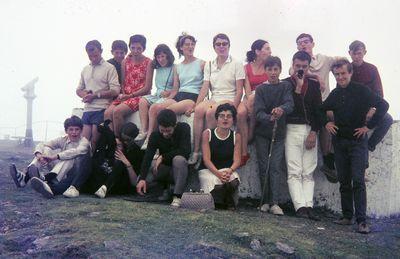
column 101, row 192
column 276, row 210
column 176, row 202
column 145, row 143
column 141, row 136
column 18, row 177
column 264, row 207
column 193, row 158
column 42, row 187
column 71, row 192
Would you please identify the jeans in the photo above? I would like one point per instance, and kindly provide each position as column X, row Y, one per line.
column 176, row 174
column 380, row 131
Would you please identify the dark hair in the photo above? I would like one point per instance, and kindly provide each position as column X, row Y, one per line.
column 302, row 55
column 342, row 62
column 357, row 45
column 129, row 129
column 93, row 44
column 138, row 38
column 272, row 61
column 162, row 48
column 181, row 40
column 166, row 118
column 226, row 107
column 74, row 121
column 305, row 35
column 119, row 44
column 257, row 45
column 222, row 36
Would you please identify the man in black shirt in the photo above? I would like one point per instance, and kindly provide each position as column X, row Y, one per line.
column 173, row 142
column 118, row 50
column 350, row 103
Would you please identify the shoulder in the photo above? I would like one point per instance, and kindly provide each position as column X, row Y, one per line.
column 286, row 84
column 313, row 84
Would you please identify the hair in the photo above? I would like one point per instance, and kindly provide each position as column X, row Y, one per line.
column 138, row 38
column 357, row 45
column 257, row 45
column 226, row 107
column 119, row 44
column 129, row 129
column 162, row 48
column 302, row 55
column 166, row 118
column 181, row 40
column 342, row 62
column 272, row 61
column 305, row 35
column 74, row 121
column 93, row 44
column 221, row 36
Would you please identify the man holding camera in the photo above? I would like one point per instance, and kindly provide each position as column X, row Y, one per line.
column 301, row 135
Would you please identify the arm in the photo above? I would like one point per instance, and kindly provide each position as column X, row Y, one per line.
column 81, row 90
column 316, row 103
column 81, row 149
column 148, row 156
column 237, row 154
column 175, row 86
column 184, row 146
column 260, row 107
column 239, row 92
column 377, row 83
column 119, row 155
column 123, row 64
column 381, row 108
column 247, row 87
column 203, row 92
column 205, row 148
column 148, row 82
column 288, row 104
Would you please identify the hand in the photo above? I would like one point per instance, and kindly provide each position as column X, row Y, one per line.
column 311, row 140
column 88, row 98
column 276, row 113
column 121, row 157
column 222, row 175
column 331, row 128
column 157, row 164
column 141, row 187
column 189, row 112
column 164, row 94
column 330, row 115
column 123, row 97
column 48, row 159
column 361, row 132
column 299, row 83
column 41, row 159
column 370, row 114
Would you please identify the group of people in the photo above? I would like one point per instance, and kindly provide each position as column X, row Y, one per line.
column 285, row 118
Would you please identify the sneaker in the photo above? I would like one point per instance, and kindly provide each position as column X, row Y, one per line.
column 363, row 228
column 276, row 210
column 71, row 192
column 141, row 136
column 166, row 195
column 264, row 208
column 18, row 177
column 302, row 212
column 42, row 187
column 101, row 192
column 343, row 221
column 330, row 174
column 193, row 158
column 176, row 202
column 145, row 143
column 312, row 215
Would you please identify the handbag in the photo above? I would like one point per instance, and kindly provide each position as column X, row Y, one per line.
column 197, row 201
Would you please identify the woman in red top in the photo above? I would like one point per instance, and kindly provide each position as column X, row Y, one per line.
column 255, row 75
column 135, row 69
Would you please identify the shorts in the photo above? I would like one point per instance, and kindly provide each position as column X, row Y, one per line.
column 93, row 117
column 180, row 96
column 152, row 99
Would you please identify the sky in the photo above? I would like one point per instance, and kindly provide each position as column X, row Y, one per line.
column 46, row 39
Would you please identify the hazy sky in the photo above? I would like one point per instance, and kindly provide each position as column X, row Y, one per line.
column 46, row 38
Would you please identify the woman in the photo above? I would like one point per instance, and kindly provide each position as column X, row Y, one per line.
column 255, row 75
column 221, row 157
column 135, row 68
column 224, row 78
column 163, row 63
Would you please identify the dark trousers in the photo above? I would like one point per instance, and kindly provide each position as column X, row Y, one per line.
column 176, row 174
column 380, row 131
column 275, row 171
column 118, row 181
column 350, row 161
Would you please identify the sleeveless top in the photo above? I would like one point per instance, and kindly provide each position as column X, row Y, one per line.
column 222, row 149
column 190, row 76
column 254, row 80
column 164, row 79
column 135, row 75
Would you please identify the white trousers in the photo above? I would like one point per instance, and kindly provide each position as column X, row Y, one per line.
column 301, row 163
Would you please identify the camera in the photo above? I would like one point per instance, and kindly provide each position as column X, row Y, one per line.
column 300, row 73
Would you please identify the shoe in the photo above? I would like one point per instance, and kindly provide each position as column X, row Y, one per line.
column 302, row 212
column 343, row 221
column 71, row 192
column 145, row 143
column 371, row 148
column 330, row 174
column 166, row 195
column 264, row 208
column 101, row 192
column 176, row 202
column 141, row 136
column 276, row 210
column 363, row 228
column 18, row 177
column 244, row 160
column 312, row 215
column 193, row 158
column 42, row 187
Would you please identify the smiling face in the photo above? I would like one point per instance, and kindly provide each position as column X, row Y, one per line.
column 225, row 120
column 136, row 49
column 342, row 76
column 74, row 133
column 162, row 59
column 305, row 44
column 221, row 47
column 264, row 52
column 187, row 47
column 273, row 73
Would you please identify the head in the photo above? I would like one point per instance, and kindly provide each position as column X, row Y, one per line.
column 260, row 49
column 305, row 42
column 73, row 127
column 94, row 50
column 163, row 56
column 119, row 50
column 225, row 115
column 129, row 132
column 342, row 70
column 137, row 44
column 301, row 61
column 357, row 51
column 166, row 120
column 221, row 44
column 185, row 45
column 273, row 68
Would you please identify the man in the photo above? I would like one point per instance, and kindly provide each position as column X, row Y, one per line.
column 367, row 74
column 173, row 142
column 67, row 160
column 97, row 87
column 350, row 103
column 303, row 125
column 118, row 50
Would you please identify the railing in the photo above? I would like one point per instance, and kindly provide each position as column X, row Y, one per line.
column 42, row 130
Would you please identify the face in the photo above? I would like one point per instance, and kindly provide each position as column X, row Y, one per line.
column 221, row 47
column 358, row 56
column 225, row 120
column 300, row 65
column 94, row 55
column 342, row 76
column 305, row 44
column 126, row 140
column 166, row 132
column 264, row 52
column 74, row 133
column 136, row 49
column 162, row 59
column 273, row 73
column 118, row 55
column 188, row 47
column 120, row 145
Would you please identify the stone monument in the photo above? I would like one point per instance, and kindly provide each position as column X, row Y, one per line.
column 29, row 95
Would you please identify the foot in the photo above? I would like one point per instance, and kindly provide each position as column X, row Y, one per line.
column 71, row 192
column 276, row 210
column 330, row 174
column 302, row 212
column 42, row 187
column 145, row 143
column 244, row 160
column 101, row 192
column 264, row 208
column 166, row 196
column 343, row 221
column 363, row 228
column 312, row 215
column 18, row 177
column 141, row 136
column 193, row 158
column 176, row 202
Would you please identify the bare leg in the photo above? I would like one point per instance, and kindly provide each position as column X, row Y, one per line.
column 153, row 112
column 198, row 123
column 242, row 126
column 252, row 116
column 182, row 106
column 87, row 131
column 95, row 136
column 108, row 115
column 144, row 114
column 119, row 114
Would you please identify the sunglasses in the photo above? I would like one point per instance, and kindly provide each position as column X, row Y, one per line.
column 223, row 44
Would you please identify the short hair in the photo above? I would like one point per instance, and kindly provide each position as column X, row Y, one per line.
column 302, row 55
column 138, row 38
column 226, row 107
column 304, row 35
column 221, row 36
column 257, row 45
column 272, row 61
column 181, row 40
column 93, row 44
column 73, row 121
column 129, row 129
column 342, row 62
column 119, row 44
column 166, row 118
column 357, row 45
column 162, row 48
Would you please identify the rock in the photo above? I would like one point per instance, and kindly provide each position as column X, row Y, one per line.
column 255, row 244
column 94, row 214
column 284, row 248
column 41, row 242
column 204, row 250
column 112, row 244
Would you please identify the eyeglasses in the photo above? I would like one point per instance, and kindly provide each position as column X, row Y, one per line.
column 303, row 41
column 223, row 44
column 225, row 116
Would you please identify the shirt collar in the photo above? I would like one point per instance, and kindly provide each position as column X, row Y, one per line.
column 100, row 63
column 228, row 60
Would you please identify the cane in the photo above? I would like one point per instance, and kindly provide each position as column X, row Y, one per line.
column 269, row 161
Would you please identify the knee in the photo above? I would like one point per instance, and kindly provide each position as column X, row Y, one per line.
column 179, row 161
column 210, row 114
column 143, row 103
column 242, row 113
column 199, row 111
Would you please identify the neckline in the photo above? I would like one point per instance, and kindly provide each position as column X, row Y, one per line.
column 218, row 137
